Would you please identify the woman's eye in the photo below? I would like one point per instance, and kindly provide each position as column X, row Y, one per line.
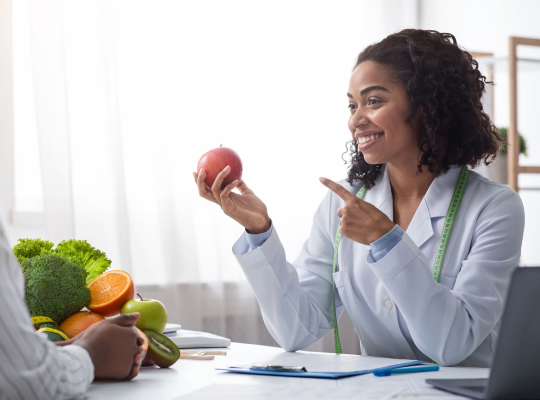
column 352, row 106
column 371, row 102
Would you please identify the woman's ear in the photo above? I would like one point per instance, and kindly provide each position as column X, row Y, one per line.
column 413, row 119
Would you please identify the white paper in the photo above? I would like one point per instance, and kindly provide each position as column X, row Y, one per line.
column 280, row 392
column 364, row 389
column 316, row 362
column 406, row 388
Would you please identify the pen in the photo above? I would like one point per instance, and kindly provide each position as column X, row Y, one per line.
column 277, row 368
column 391, row 371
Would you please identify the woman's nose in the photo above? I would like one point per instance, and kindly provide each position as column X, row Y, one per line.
column 358, row 119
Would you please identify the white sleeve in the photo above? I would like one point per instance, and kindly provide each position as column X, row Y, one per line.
column 31, row 366
column 295, row 300
column 448, row 325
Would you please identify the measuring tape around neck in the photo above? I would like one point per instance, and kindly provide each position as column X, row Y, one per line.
column 361, row 194
column 441, row 249
column 449, row 221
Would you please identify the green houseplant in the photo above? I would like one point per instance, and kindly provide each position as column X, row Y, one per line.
column 498, row 169
column 504, row 150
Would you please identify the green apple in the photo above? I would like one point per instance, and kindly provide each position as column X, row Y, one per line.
column 153, row 313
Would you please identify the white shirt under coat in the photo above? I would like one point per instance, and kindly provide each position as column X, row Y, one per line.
column 31, row 366
column 454, row 322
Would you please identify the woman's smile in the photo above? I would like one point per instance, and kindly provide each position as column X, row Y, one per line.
column 368, row 138
column 379, row 117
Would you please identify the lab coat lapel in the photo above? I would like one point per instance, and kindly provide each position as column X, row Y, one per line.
column 420, row 229
column 440, row 193
column 434, row 204
column 381, row 194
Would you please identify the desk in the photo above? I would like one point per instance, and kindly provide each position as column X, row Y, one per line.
column 185, row 376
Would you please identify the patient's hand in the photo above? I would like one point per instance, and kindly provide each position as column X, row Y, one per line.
column 114, row 347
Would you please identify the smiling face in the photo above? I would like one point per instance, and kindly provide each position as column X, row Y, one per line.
column 379, row 110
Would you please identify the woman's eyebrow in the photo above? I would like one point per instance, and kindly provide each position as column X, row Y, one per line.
column 369, row 89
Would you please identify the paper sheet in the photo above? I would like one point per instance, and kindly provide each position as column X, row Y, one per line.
column 365, row 389
column 315, row 362
column 274, row 392
column 407, row 388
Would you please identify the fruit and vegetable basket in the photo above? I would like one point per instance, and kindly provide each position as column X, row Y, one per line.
column 69, row 288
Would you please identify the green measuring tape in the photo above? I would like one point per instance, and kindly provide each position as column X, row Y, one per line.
column 361, row 194
column 449, row 221
column 441, row 249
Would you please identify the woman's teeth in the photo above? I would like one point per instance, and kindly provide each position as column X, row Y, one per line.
column 367, row 139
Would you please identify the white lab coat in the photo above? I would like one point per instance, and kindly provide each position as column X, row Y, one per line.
column 453, row 323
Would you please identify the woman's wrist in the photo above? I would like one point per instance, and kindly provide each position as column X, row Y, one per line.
column 260, row 229
column 383, row 230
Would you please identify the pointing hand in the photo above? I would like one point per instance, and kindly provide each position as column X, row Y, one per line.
column 360, row 221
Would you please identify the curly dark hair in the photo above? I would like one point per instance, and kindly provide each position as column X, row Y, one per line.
column 444, row 79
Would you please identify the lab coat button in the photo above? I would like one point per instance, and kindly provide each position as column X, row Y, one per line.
column 388, row 304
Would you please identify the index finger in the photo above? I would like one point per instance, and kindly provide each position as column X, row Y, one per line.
column 337, row 189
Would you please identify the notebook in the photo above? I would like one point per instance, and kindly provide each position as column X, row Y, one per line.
column 185, row 339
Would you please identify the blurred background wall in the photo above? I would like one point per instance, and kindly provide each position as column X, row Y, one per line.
column 107, row 106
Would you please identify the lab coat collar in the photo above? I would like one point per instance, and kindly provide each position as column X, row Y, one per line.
column 381, row 194
column 440, row 193
column 434, row 204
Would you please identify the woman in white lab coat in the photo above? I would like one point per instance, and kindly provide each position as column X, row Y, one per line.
column 426, row 257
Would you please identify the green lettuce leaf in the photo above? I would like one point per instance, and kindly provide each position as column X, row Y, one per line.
column 94, row 261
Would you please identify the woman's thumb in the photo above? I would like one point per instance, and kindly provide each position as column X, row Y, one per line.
column 125, row 319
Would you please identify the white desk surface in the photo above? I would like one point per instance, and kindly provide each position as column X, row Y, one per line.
column 186, row 376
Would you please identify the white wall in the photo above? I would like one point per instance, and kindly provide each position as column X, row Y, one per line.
column 485, row 26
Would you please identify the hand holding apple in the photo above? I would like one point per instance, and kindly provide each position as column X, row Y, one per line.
column 245, row 208
column 214, row 161
column 153, row 313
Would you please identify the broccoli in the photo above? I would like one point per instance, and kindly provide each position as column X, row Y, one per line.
column 28, row 248
column 55, row 287
column 93, row 261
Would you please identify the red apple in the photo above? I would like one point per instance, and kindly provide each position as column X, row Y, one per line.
column 216, row 160
column 147, row 362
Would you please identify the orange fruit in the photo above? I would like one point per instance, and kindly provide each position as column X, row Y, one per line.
column 110, row 291
column 145, row 340
column 78, row 322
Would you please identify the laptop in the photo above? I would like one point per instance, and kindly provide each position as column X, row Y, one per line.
column 515, row 371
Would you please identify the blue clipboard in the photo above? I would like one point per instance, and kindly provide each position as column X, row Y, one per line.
column 325, row 375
